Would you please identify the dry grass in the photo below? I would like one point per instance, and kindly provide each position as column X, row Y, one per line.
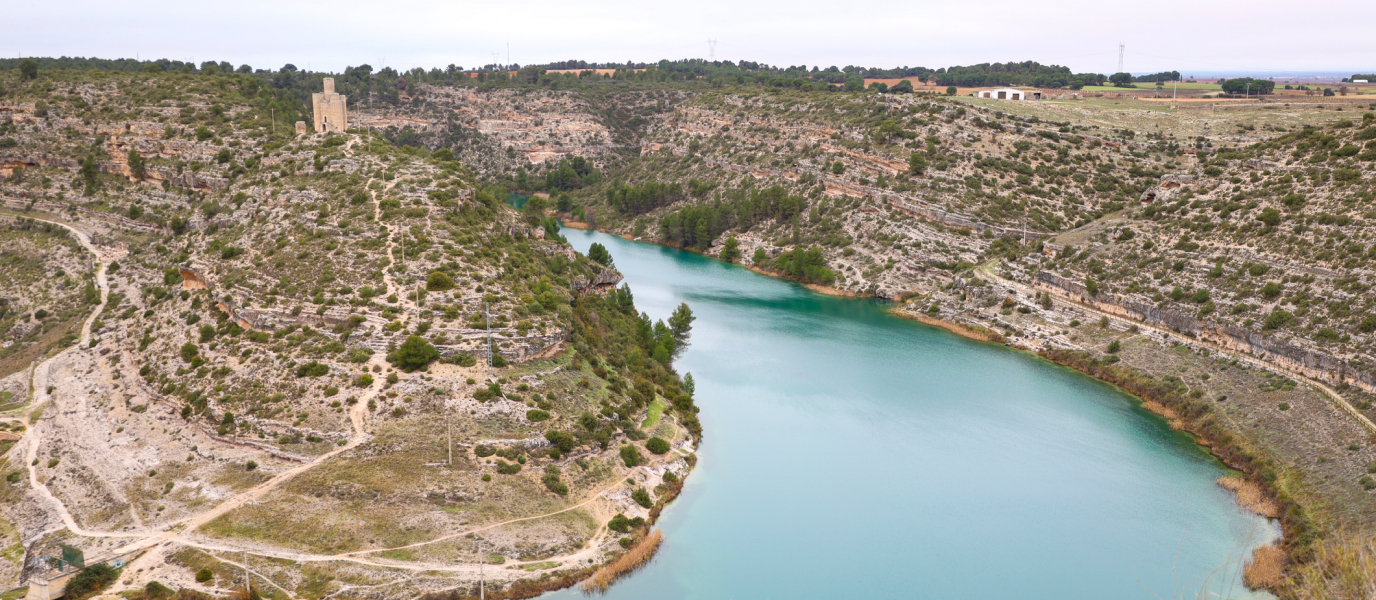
column 1343, row 566
column 1171, row 416
column 633, row 559
column 1266, row 569
column 1251, row 495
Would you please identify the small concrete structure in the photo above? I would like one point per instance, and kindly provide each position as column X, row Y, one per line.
column 1008, row 94
column 331, row 109
column 53, row 584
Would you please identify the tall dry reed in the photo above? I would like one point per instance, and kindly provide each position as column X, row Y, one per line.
column 633, row 559
column 1251, row 495
column 1343, row 567
column 1266, row 569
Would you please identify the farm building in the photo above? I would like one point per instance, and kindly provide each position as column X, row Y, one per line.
column 1008, row 94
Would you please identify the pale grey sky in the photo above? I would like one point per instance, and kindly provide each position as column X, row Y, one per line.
column 1185, row 35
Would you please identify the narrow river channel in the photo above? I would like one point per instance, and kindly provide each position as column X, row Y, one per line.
column 852, row 454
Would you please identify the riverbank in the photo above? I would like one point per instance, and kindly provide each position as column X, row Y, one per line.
column 816, row 287
column 1248, row 418
column 973, row 332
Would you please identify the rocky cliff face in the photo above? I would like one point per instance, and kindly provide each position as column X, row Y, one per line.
column 1311, row 363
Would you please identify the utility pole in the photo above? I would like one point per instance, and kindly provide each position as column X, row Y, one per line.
column 491, row 356
column 1120, row 57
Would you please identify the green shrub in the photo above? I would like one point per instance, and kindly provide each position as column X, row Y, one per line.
column 552, row 482
column 506, row 468
column 439, row 282
column 189, row 352
column 157, row 591
column 657, row 445
column 484, row 451
column 621, row 524
column 562, row 440
column 1271, row 290
column 204, row 575
column 642, row 497
column 312, row 369
column 1114, row 347
column 631, row 457
column 465, row 360
column 90, row 580
column 415, row 353
column 537, row 415
column 250, row 465
column 1277, row 319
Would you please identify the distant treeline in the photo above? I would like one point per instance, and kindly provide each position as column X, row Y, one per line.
column 1024, row 73
column 851, row 77
column 1158, row 77
column 386, row 85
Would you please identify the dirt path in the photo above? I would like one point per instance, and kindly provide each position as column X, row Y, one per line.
column 159, row 541
column 33, row 436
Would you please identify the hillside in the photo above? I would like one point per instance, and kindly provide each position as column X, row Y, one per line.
column 1222, row 255
column 1214, row 260
column 288, row 354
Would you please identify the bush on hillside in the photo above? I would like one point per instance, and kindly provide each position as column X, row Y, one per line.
column 657, row 445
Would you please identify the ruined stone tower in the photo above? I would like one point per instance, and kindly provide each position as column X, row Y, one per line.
column 331, row 112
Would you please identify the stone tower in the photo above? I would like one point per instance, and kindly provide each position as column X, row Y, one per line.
column 331, row 111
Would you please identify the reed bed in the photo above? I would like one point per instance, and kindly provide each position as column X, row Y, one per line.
column 1251, row 495
column 1266, row 569
column 638, row 556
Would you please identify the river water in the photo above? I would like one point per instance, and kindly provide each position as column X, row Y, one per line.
column 852, row 454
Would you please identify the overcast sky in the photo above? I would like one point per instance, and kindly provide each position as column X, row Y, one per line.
column 1185, row 35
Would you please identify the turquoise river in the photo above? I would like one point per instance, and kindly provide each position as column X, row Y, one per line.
column 852, row 454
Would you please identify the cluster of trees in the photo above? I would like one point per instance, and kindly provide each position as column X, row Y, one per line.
column 1024, row 73
column 573, row 173
column 638, row 200
column 77, row 63
column 387, row 84
column 1158, row 77
column 742, row 209
column 1356, row 76
column 1247, row 85
column 805, row 265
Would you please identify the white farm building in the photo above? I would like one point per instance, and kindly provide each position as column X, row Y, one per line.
column 1008, row 94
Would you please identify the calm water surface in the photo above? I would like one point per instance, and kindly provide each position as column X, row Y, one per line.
column 851, row 454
